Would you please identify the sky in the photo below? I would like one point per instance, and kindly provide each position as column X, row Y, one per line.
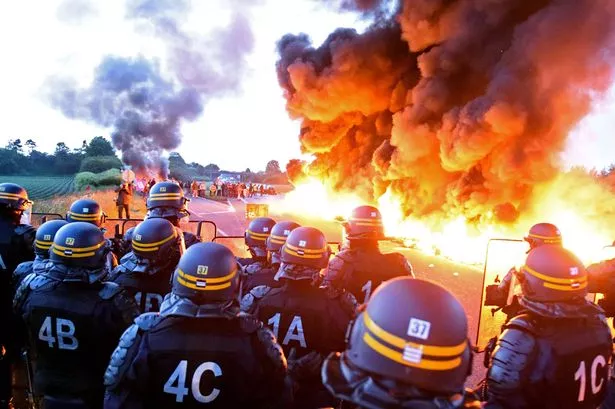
column 40, row 39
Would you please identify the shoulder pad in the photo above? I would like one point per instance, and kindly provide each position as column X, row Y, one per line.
column 402, row 261
column 253, row 268
column 248, row 302
column 249, row 323
column 260, row 291
column 22, row 292
column 109, row 290
column 25, row 230
column 147, row 321
column 523, row 322
column 122, row 357
column 23, row 269
column 272, row 349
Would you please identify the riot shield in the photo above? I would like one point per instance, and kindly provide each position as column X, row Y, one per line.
column 235, row 243
column 36, row 219
column 114, row 227
column 501, row 256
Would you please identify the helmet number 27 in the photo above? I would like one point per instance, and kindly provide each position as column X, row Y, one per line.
column 176, row 384
column 581, row 376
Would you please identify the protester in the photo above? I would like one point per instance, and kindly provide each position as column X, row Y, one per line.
column 124, row 200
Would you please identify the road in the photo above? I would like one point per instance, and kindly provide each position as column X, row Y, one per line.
column 462, row 280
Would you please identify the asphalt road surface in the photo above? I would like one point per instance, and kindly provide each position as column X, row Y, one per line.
column 464, row 281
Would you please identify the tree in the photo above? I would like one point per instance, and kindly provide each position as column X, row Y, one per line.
column 273, row 167
column 98, row 146
column 30, row 146
column 15, row 145
column 61, row 149
column 212, row 167
column 248, row 170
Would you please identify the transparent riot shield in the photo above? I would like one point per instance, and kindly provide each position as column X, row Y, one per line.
column 36, row 219
column 116, row 228
column 501, row 256
column 235, row 243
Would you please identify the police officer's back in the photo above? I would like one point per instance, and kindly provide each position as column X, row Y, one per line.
column 307, row 322
column 166, row 200
column 256, row 237
column 157, row 246
column 199, row 350
column 361, row 267
column 42, row 244
column 73, row 320
column 16, row 246
column 556, row 353
column 258, row 274
column 408, row 348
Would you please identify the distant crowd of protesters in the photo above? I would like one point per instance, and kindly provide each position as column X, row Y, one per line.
column 221, row 188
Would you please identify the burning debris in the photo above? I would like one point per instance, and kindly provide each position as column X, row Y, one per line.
column 144, row 107
column 454, row 114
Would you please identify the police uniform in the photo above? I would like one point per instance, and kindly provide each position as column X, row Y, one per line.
column 263, row 274
column 361, row 267
column 146, row 272
column 308, row 323
column 555, row 354
column 408, row 348
column 199, row 350
column 73, row 319
column 16, row 246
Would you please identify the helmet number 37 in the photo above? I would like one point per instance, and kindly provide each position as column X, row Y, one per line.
column 176, row 384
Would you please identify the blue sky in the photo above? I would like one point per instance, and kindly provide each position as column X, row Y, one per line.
column 69, row 37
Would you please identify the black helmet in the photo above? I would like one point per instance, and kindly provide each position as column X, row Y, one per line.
column 166, row 200
column 365, row 223
column 412, row 340
column 279, row 233
column 207, row 273
column 45, row 235
column 543, row 233
column 304, row 254
column 80, row 244
column 551, row 273
column 256, row 236
column 86, row 210
column 157, row 244
column 14, row 197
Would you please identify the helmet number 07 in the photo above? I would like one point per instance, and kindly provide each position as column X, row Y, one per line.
column 581, row 376
column 176, row 384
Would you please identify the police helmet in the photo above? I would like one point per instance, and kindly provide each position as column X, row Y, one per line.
column 551, row 273
column 543, row 233
column 80, row 244
column 14, row 197
column 257, row 234
column 157, row 243
column 86, row 210
column 304, row 254
column 412, row 338
column 128, row 235
column 166, row 200
column 45, row 235
column 365, row 223
column 207, row 273
column 279, row 233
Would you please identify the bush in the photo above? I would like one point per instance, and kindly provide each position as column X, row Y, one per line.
column 97, row 164
column 111, row 177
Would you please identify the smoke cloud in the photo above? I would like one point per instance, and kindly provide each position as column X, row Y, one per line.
column 145, row 104
column 458, row 107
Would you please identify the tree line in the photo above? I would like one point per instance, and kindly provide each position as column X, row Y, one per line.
column 23, row 158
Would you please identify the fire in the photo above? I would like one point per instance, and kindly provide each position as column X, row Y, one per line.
column 583, row 230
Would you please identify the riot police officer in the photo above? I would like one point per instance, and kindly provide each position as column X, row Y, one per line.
column 199, row 349
column 157, row 246
column 361, row 267
column 556, row 353
column 307, row 321
column 256, row 237
column 42, row 243
column 258, row 274
column 73, row 319
column 16, row 246
column 86, row 210
column 166, row 200
column 408, row 348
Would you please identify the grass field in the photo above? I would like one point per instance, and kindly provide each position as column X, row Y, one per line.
column 105, row 198
column 43, row 187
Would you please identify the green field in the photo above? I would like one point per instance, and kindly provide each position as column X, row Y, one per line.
column 43, row 187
